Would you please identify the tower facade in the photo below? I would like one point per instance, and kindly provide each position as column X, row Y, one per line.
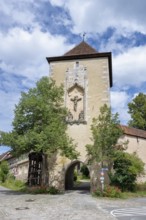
column 87, row 77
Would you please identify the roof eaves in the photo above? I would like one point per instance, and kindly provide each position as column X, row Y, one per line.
column 86, row 56
column 134, row 132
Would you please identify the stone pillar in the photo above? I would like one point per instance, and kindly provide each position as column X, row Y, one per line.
column 95, row 176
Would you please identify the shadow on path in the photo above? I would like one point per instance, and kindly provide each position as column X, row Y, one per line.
column 9, row 192
column 83, row 187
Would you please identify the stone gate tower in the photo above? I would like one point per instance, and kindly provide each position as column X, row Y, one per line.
column 87, row 77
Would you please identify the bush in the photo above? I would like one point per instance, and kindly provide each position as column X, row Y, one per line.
column 37, row 190
column 127, row 167
column 109, row 191
column 13, row 184
column 4, row 170
column 42, row 190
column 112, row 191
column 98, row 193
column 19, row 184
column 52, row 190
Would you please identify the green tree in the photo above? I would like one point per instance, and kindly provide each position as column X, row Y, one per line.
column 4, row 170
column 127, row 167
column 137, row 110
column 39, row 122
column 85, row 171
column 105, row 133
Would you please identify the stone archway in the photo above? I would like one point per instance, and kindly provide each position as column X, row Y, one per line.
column 70, row 177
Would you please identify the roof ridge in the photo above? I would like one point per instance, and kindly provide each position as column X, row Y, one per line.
column 80, row 49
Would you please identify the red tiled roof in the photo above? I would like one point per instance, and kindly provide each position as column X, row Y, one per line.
column 133, row 131
column 80, row 49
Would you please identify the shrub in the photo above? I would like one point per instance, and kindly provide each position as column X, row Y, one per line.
column 19, row 184
column 52, row 190
column 13, row 183
column 112, row 191
column 127, row 167
column 4, row 170
column 42, row 190
column 37, row 190
column 97, row 192
column 109, row 191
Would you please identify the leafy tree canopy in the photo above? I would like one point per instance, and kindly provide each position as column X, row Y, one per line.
column 39, row 122
column 127, row 167
column 105, row 133
column 137, row 110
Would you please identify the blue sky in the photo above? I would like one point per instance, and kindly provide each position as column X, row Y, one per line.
column 32, row 30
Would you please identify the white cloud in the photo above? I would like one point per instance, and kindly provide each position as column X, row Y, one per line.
column 17, row 12
column 25, row 53
column 119, row 101
column 114, row 42
column 59, row 3
column 98, row 15
column 129, row 68
column 7, row 104
column 23, row 56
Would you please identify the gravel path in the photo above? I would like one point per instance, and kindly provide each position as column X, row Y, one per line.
column 73, row 205
column 76, row 205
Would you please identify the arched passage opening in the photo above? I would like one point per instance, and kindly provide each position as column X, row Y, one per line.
column 77, row 176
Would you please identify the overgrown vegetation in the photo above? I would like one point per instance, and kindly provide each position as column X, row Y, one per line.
column 4, row 171
column 42, row 190
column 115, row 192
column 14, row 184
column 127, row 167
column 7, row 179
column 109, row 191
column 11, row 182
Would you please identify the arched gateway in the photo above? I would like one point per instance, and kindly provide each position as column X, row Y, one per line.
column 87, row 76
column 77, row 168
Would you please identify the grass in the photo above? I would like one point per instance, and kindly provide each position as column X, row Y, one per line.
column 139, row 192
column 114, row 192
column 136, row 194
column 16, row 185
column 127, row 195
